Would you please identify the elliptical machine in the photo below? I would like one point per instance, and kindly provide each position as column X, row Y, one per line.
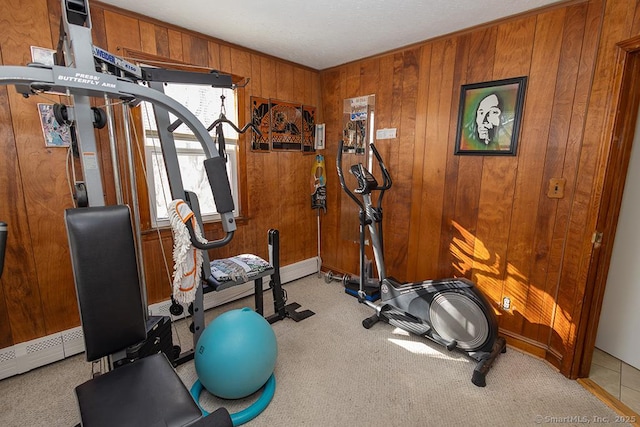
column 450, row 312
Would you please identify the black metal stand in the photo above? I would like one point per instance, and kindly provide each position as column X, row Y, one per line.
column 282, row 310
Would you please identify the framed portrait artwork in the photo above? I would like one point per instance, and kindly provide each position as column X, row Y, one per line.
column 489, row 117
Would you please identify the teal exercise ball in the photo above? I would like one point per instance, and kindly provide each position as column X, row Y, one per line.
column 236, row 354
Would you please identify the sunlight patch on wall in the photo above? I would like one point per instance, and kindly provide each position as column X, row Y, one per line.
column 498, row 279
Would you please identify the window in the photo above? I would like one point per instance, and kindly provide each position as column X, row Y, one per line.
column 206, row 104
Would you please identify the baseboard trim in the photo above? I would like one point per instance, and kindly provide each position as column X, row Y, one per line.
column 534, row 348
column 23, row 357
column 620, row 408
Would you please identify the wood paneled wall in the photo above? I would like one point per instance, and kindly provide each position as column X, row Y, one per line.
column 37, row 295
column 486, row 218
column 489, row 218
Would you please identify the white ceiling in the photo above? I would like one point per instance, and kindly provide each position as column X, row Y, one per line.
column 324, row 33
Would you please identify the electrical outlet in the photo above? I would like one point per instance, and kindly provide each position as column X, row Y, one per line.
column 386, row 133
column 556, row 188
column 506, row 303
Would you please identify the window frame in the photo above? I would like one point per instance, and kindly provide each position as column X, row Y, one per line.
column 232, row 153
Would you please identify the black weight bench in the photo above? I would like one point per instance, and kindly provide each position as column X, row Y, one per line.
column 148, row 391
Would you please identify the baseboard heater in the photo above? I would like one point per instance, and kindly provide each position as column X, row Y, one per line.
column 23, row 357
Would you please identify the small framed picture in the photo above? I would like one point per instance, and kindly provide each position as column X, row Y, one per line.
column 489, row 117
column 55, row 134
column 43, row 56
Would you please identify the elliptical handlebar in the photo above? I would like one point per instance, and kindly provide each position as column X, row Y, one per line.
column 386, row 183
column 386, row 178
column 341, row 176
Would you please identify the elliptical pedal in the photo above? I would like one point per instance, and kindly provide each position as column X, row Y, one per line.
column 404, row 321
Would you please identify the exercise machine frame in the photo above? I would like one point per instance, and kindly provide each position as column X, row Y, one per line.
column 94, row 72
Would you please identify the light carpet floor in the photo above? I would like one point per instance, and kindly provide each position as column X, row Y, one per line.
column 332, row 372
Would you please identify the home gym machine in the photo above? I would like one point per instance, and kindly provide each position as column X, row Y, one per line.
column 129, row 392
column 450, row 312
column 94, row 72
column 82, row 71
